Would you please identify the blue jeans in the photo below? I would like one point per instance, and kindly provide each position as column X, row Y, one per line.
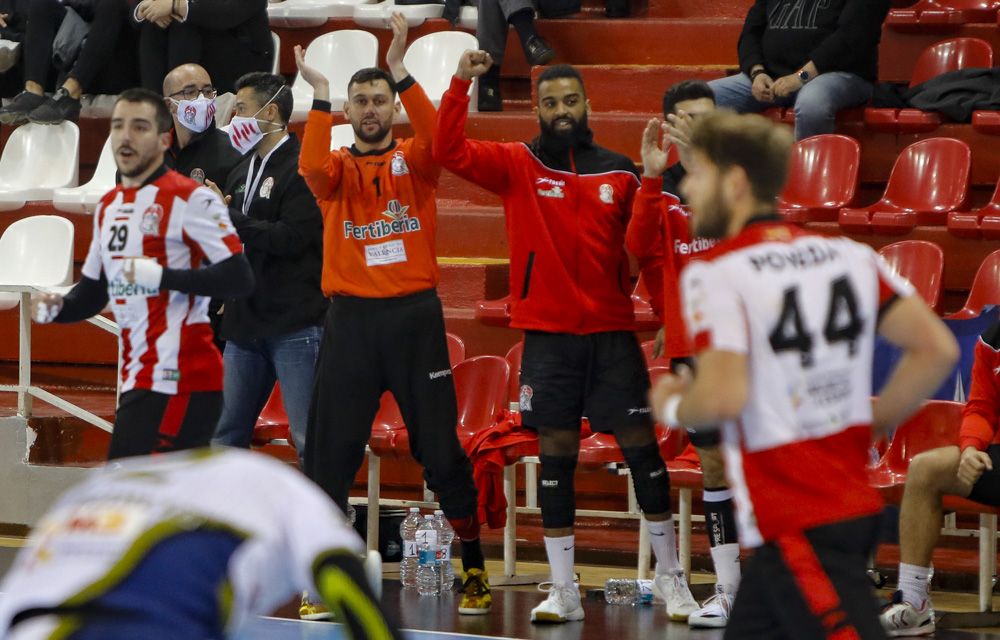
column 250, row 372
column 816, row 104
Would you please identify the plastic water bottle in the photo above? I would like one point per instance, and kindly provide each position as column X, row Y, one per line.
column 428, row 567
column 445, row 537
column 408, row 534
column 625, row 591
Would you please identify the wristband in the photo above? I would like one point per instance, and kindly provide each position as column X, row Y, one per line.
column 754, row 74
column 669, row 414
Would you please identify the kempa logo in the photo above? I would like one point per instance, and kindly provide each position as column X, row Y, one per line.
column 440, row 374
column 401, row 223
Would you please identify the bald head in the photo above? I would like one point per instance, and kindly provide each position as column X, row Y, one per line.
column 186, row 76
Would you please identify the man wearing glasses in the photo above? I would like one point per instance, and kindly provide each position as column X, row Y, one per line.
column 199, row 150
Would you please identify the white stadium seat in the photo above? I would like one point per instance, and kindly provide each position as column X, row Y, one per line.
column 84, row 199
column 37, row 159
column 338, row 55
column 341, row 135
column 376, row 16
column 276, row 65
column 36, row 251
column 432, row 60
column 300, row 14
column 468, row 17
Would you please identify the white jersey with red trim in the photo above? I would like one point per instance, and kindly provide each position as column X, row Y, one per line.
column 96, row 539
column 166, row 339
column 803, row 308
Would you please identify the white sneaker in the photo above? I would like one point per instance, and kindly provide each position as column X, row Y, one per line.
column 903, row 619
column 672, row 588
column 714, row 614
column 562, row 605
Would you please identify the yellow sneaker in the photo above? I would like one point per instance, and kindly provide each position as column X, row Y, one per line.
column 476, row 598
column 309, row 610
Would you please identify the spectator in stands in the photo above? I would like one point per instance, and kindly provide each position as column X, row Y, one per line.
column 567, row 202
column 275, row 332
column 491, row 31
column 659, row 235
column 13, row 20
column 969, row 470
column 819, row 57
column 791, row 390
column 152, row 234
column 230, row 38
column 187, row 545
column 199, row 150
column 385, row 327
column 683, row 102
column 105, row 62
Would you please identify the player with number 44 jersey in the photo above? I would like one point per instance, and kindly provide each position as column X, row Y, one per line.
column 783, row 325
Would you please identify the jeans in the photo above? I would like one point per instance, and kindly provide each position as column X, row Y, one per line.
column 816, row 104
column 250, row 371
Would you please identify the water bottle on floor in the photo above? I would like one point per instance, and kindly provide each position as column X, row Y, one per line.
column 408, row 534
column 428, row 569
column 445, row 537
column 627, row 591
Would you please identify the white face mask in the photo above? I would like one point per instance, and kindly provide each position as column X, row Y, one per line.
column 196, row 115
column 245, row 133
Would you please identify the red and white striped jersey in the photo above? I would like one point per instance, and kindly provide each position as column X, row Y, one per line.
column 803, row 308
column 166, row 340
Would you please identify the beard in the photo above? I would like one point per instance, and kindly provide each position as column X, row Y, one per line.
column 576, row 132
column 142, row 165
column 372, row 138
column 711, row 219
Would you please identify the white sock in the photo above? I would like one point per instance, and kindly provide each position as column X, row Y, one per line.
column 664, row 542
column 560, row 553
column 915, row 583
column 726, row 558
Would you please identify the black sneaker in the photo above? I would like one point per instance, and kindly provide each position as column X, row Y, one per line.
column 61, row 106
column 17, row 110
column 537, row 51
column 489, row 93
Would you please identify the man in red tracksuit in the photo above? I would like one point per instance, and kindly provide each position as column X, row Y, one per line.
column 567, row 202
column 970, row 470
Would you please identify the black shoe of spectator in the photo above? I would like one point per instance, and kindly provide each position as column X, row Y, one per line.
column 61, row 106
column 616, row 8
column 537, row 51
column 17, row 110
column 489, row 93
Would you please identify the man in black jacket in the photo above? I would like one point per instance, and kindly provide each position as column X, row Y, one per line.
column 276, row 331
column 819, row 55
column 228, row 37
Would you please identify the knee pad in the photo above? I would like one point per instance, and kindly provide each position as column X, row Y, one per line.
column 555, row 491
column 649, row 477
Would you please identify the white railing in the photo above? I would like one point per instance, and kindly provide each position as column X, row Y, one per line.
column 24, row 389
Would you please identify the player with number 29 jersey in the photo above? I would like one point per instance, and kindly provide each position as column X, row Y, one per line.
column 803, row 309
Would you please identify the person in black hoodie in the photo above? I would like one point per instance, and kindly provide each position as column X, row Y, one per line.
column 819, row 55
column 276, row 331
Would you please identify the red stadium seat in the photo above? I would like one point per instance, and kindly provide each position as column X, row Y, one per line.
column 929, row 179
column 645, row 318
column 986, row 122
column 935, row 425
column 822, row 178
column 985, row 290
column 970, row 224
column 495, row 313
column 272, row 424
column 943, row 12
column 920, row 262
column 513, row 359
column 456, row 349
column 939, row 58
column 481, row 385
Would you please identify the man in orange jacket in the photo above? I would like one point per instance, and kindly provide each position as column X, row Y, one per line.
column 385, row 325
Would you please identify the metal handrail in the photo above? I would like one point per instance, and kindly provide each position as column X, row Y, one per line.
column 24, row 389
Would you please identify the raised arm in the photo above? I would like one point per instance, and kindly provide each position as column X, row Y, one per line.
column 418, row 106
column 321, row 169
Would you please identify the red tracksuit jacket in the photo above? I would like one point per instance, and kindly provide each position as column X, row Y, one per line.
column 981, row 415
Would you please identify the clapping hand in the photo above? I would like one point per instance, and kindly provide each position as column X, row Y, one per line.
column 473, row 64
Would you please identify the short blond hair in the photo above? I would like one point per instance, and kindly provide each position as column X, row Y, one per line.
column 751, row 142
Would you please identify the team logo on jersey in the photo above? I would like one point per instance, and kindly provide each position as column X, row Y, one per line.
column 607, row 194
column 150, row 225
column 265, row 189
column 171, row 375
column 198, row 175
column 549, row 188
column 524, row 398
column 395, row 211
column 398, row 164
